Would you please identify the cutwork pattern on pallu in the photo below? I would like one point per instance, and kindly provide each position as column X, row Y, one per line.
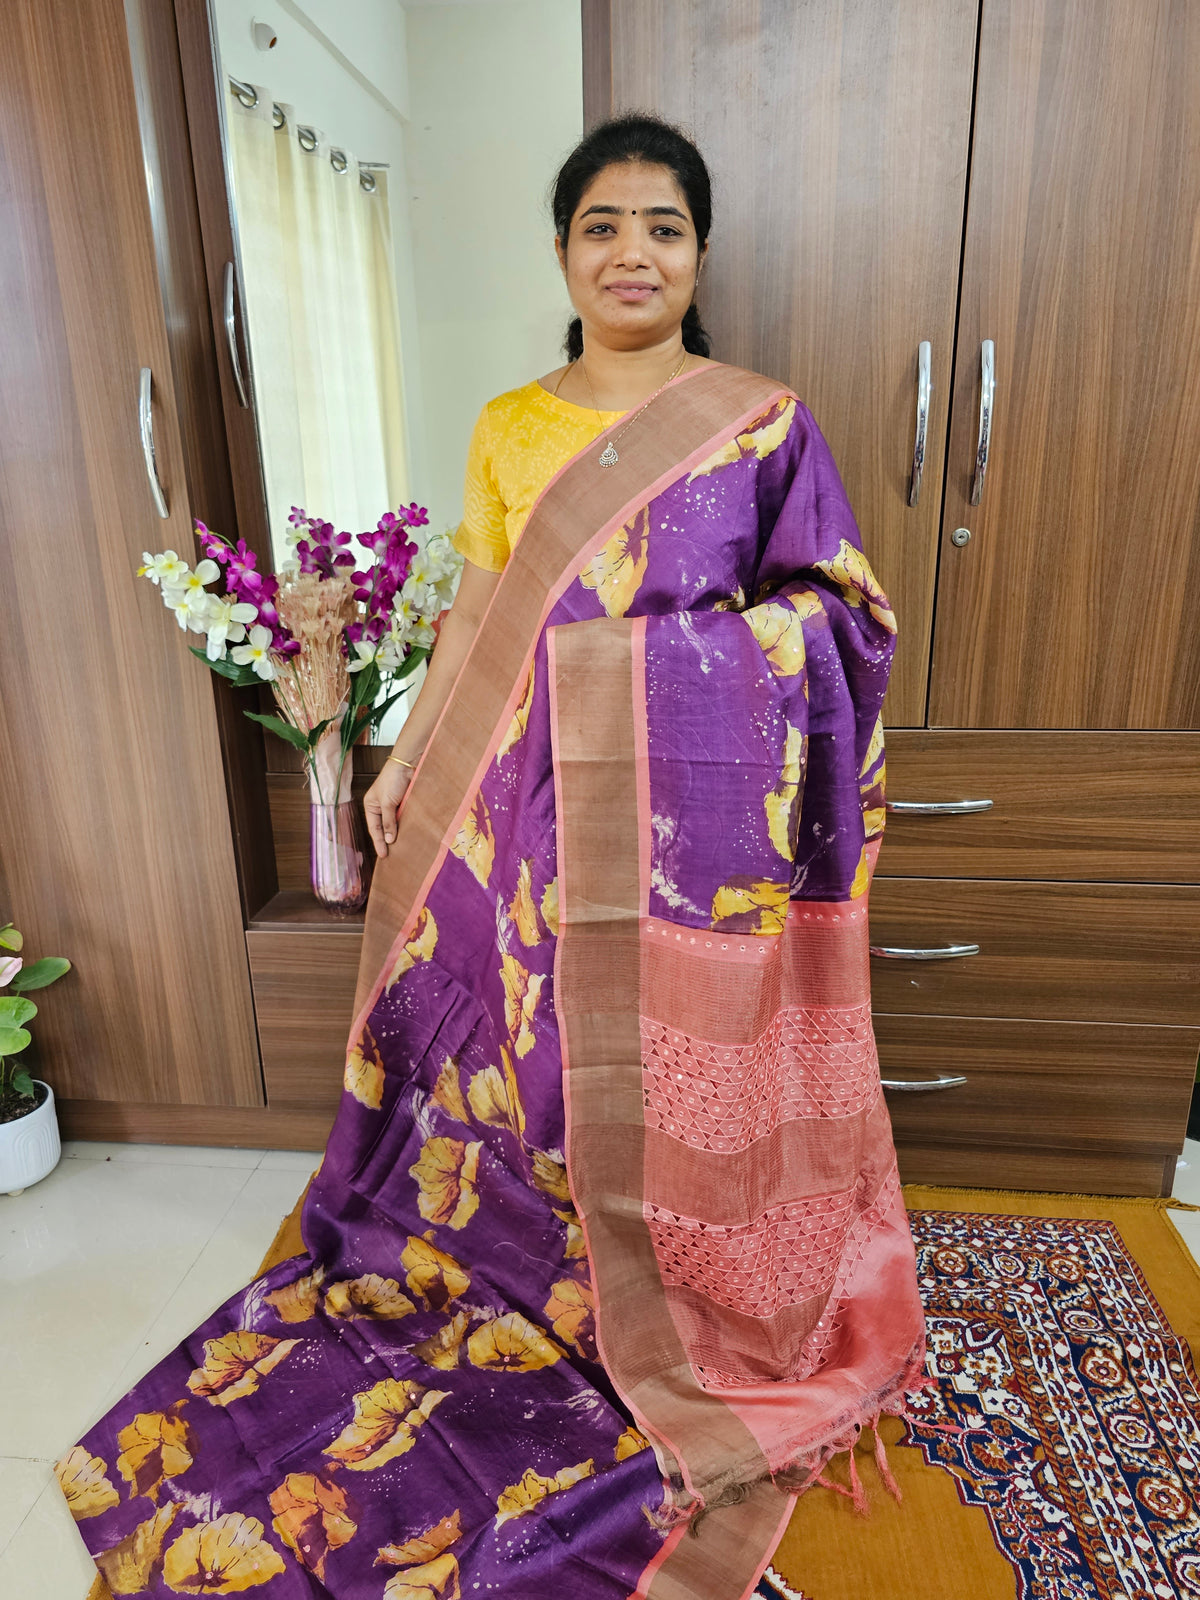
column 811, row 1061
column 1078, row 1404
column 816, row 1348
column 787, row 1255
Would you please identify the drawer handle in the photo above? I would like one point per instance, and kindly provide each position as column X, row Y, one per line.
column 922, row 1085
column 937, row 952
column 937, row 808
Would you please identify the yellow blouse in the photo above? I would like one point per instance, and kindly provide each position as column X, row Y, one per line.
column 520, row 441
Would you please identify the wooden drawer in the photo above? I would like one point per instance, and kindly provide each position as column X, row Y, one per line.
column 1063, row 951
column 1060, row 1171
column 1083, row 807
column 303, row 982
column 1039, row 1085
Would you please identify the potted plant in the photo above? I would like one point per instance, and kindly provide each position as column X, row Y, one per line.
column 335, row 644
column 29, row 1144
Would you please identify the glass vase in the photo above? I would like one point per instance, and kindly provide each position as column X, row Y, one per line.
column 340, row 858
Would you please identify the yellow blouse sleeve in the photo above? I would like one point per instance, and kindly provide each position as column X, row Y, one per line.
column 482, row 535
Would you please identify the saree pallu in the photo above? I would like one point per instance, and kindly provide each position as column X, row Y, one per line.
column 607, row 1248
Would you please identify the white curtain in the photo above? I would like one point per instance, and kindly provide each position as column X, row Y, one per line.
column 323, row 333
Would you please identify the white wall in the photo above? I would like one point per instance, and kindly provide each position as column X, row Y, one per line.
column 496, row 102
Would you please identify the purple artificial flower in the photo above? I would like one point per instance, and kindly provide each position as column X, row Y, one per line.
column 353, row 632
column 243, row 578
column 299, row 517
column 416, row 516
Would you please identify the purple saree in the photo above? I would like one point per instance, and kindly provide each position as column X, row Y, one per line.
column 607, row 1247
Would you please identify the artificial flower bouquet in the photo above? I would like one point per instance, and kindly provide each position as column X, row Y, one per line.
column 335, row 642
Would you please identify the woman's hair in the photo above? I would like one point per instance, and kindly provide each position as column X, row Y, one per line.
column 635, row 137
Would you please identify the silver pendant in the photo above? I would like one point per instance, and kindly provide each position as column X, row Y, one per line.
column 608, row 456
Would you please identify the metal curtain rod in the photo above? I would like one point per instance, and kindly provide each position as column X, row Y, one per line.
column 247, row 95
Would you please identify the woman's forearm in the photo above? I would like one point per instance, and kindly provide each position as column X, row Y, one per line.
column 455, row 638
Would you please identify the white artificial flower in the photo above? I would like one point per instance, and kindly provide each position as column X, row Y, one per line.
column 227, row 619
column 165, row 568
column 366, row 653
column 191, row 606
column 287, row 570
column 390, row 654
column 256, row 653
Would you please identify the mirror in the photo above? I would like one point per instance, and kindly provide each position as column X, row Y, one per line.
column 388, row 168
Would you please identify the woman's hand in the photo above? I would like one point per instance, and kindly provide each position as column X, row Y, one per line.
column 381, row 802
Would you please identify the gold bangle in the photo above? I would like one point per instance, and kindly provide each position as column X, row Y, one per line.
column 411, row 765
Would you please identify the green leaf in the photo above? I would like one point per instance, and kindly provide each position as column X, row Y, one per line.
column 10, row 939
column 240, row 676
column 315, row 733
column 12, row 1040
column 14, row 1011
column 40, row 973
column 284, row 729
column 22, row 1082
column 410, row 663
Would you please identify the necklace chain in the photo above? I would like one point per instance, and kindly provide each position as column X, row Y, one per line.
column 608, row 457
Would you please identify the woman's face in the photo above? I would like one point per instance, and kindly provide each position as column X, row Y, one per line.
column 632, row 256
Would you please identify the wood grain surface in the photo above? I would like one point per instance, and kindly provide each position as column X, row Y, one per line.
column 837, row 134
column 1073, row 604
column 113, row 816
column 1065, row 952
column 304, row 1001
column 1085, row 806
column 240, row 1128
column 1058, row 1171
column 1040, row 1084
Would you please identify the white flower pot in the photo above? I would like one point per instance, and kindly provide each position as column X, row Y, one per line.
column 29, row 1147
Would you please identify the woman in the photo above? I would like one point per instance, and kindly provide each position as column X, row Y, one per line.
column 607, row 1245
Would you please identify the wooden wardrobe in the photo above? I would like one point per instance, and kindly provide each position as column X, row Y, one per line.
column 895, row 179
column 1013, row 185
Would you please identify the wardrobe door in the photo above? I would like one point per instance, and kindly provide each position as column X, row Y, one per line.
column 837, row 132
column 114, row 831
column 1072, row 602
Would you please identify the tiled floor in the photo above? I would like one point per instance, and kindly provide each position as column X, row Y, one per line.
column 106, row 1265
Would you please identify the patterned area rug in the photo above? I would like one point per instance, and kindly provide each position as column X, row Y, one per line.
column 1073, row 1386
column 1059, row 1330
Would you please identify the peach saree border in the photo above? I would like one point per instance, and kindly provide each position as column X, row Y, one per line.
column 576, row 513
column 702, row 1443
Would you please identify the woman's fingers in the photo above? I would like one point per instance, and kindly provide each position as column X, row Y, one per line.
column 380, row 805
column 374, row 815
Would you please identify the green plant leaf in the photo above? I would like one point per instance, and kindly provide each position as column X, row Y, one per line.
column 294, row 737
column 14, row 1011
column 314, row 734
column 13, row 1040
column 22, row 1082
column 411, row 662
column 241, row 677
column 10, row 939
column 40, row 973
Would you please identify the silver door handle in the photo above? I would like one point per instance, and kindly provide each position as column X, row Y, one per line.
column 924, row 389
column 937, row 952
column 146, row 429
column 235, row 361
column 936, row 808
column 987, row 394
column 922, row 1085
